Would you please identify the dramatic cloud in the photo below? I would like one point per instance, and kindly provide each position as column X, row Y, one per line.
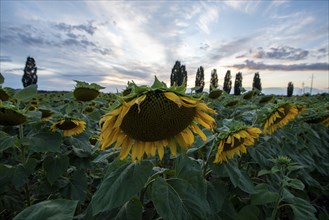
column 281, row 53
column 251, row 65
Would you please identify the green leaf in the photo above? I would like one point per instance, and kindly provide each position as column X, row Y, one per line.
column 248, row 212
column 239, row 178
column 264, row 172
column 52, row 209
column 177, row 199
column 55, row 167
column 19, row 176
column 263, row 195
column 216, row 195
column 157, row 84
column 76, row 189
column 168, row 202
column 7, row 141
column 2, row 79
column 45, row 142
column 27, row 93
column 6, row 174
column 296, row 184
column 302, row 209
column 132, row 210
column 119, row 186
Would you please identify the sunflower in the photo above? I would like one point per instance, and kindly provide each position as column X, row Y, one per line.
column 152, row 119
column 46, row 114
column 234, row 141
column 4, row 96
column 69, row 126
column 85, row 91
column 280, row 117
column 10, row 116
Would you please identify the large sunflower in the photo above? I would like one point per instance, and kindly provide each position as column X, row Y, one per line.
column 152, row 118
column 279, row 117
column 69, row 126
column 234, row 142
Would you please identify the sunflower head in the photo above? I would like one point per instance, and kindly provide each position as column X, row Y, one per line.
column 249, row 95
column 46, row 114
column 149, row 119
column 11, row 116
column 4, row 96
column 86, row 92
column 265, row 99
column 69, row 126
column 216, row 93
column 279, row 116
column 317, row 115
column 233, row 139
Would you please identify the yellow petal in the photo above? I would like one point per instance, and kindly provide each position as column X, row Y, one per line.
column 173, row 97
column 198, row 131
column 172, row 146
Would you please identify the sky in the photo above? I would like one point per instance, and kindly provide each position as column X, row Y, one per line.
column 113, row 42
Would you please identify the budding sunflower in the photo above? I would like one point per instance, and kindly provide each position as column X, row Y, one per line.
column 85, row 91
column 152, row 119
column 279, row 117
column 69, row 126
column 234, row 140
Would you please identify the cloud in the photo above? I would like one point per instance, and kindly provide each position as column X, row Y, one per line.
column 281, row 53
column 227, row 49
column 5, row 59
column 251, row 65
column 88, row 28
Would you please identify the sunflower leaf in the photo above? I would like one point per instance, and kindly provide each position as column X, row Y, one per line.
column 55, row 167
column 239, row 178
column 50, row 209
column 27, row 93
column 176, row 199
column 120, row 185
column 45, row 142
column 132, row 210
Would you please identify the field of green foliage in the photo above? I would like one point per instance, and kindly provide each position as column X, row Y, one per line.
column 48, row 174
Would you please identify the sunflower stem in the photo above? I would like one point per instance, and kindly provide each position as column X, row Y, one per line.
column 23, row 160
column 141, row 197
column 205, row 164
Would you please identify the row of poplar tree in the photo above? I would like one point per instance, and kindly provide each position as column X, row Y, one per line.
column 179, row 77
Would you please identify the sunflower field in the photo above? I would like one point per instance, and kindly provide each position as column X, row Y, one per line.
column 158, row 152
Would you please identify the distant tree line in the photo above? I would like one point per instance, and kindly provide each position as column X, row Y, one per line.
column 178, row 77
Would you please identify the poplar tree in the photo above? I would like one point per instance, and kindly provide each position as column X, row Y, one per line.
column 238, row 83
column 178, row 75
column 213, row 80
column 199, row 80
column 227, row 82
column 30, row 72
column 256, row 84
column 290, row 89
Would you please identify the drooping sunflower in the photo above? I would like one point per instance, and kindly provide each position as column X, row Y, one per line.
column 233, row 140
column 86, row 92
column 46, row 114
column 4, row 96
column 279, row 117
column 11, row 116
column 149, row 119
column 69, row 126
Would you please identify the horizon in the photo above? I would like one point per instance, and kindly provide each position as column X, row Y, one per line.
column 111, row 43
